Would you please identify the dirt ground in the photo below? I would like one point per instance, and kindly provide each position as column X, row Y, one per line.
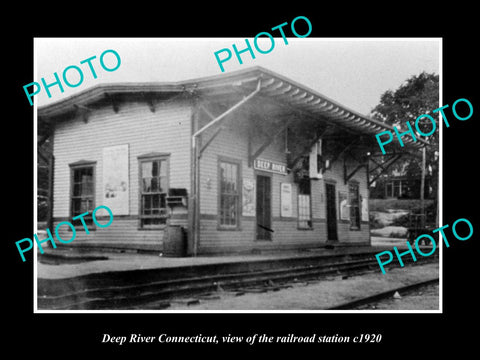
column 427, row 298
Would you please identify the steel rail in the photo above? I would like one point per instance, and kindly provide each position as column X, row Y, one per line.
column 382, row 295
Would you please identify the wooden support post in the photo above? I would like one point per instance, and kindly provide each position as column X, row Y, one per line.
column 422, row 188
column 196, row 143
column 394, row 159
column 198, row 139
column 215, row 134
column 376, row 163
column 390, row 157
column 192, row 206
column 350, row 144
column 348, row 177
column 359, row 161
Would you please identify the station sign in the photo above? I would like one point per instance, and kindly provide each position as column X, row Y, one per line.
column 270, row 166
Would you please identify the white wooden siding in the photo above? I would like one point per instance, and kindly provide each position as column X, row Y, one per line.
column 165, row 130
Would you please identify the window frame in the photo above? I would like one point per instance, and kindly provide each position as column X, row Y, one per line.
column 300, row 223
column 355, row 227
column 82, row 164
column 141, row 217
column 397, row 188
column 389, row 189
column 238, row 164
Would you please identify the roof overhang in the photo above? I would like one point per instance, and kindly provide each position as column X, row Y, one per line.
column 288, row 94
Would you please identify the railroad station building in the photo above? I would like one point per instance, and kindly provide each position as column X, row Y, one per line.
column 238, row 162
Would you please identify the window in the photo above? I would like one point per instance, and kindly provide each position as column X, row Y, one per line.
column 153, row 191
column 82, row 190
column 397, row 188
column 304, row 204
column 354, row 199
column 394, row 188
column 389, row 189
column 229, row 191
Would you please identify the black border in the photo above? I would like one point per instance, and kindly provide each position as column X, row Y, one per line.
column 57, row 335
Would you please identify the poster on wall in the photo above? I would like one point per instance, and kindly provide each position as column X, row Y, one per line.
column 364, row 208
column 286, row 207
column 343, row 205
column 248, row 198
column 115, row 179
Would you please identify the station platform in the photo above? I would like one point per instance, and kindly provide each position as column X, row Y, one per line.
column 69, row 262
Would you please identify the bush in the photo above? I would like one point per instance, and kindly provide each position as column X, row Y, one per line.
column 403, row 220
column 430, row 215
column 374, row 223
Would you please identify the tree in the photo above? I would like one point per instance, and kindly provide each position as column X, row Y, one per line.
column 418, row 95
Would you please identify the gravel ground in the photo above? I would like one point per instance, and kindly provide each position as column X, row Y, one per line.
column 325, row 293
column 427, row 297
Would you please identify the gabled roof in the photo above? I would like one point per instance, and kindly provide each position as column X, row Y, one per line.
column 272, row 85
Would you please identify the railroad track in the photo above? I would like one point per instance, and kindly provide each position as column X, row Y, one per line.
column 403, row 290
column 130, row 290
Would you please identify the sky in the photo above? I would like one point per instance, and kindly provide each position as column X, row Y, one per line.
column 353, row 72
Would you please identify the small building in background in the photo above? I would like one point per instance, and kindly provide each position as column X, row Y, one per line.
column 397, row 186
